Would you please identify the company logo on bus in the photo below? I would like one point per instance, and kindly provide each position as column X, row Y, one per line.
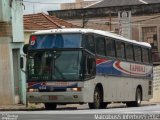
column 137, row 68
column 33, row 39
column 131, row 69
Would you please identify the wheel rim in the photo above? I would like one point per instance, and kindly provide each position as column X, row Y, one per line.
column 138, row 97
column 97, row 99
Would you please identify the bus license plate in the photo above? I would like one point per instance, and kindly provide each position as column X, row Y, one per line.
column 52, row 97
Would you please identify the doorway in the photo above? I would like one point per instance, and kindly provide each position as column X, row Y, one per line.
column 16, row 74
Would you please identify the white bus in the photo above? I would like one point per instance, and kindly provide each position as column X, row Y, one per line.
column 67, row 66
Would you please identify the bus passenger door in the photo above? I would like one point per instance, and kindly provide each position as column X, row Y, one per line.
column 89, row 66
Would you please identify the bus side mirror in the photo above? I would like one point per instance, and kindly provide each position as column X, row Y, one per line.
column 21, row 62
column 25, row 48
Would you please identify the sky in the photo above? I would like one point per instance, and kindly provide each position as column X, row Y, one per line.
column 39, row 7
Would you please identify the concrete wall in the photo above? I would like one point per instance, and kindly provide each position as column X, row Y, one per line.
column 156, row 84
column 17, row 21
column 11, row 38
column 6, row 83
column 5, row 11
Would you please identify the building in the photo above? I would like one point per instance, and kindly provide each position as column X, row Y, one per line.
column 103, row 15
column 12, row 80
column 42, row 21
column 76, row 5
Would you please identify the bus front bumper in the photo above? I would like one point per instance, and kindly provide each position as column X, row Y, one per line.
column 56, row 97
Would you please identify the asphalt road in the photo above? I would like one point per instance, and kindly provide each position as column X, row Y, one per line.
column 151, row 112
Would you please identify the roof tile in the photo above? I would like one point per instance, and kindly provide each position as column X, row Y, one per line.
column 111, row 3
column 41, row 21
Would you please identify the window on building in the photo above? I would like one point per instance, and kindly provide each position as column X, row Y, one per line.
column 129, row 52
column 120, row 49
column 110, row 47
column 149, row 34
column 100, row 45
column 137, row 54
column 145, row 55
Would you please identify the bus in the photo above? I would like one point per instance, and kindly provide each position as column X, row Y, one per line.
column 79, row 66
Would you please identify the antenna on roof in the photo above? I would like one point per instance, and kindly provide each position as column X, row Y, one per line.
column 33, row 8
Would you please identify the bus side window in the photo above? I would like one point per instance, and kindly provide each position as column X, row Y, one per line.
column 145, row 55
column 89, row 43
column 110, row 47
column 100, row 45
column 137, row 54
column 90, row 66
column 120, row 49
column 150, row 56
column 129, row 52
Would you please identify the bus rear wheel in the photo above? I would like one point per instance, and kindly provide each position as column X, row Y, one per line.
column 50, row 106
column 138, row 101
column 98, row 100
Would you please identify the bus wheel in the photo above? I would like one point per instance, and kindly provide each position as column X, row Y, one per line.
column 136, row 103
column 98, row 100
column 50, row 106
column 138, row 97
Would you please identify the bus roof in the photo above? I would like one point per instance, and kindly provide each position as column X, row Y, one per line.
column 83, row 30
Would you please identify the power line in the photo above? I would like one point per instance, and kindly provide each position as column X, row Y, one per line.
column 155, row 17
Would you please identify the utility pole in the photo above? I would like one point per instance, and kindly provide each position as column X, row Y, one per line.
column 84, row 20
column 110, row 21
column 34, row 8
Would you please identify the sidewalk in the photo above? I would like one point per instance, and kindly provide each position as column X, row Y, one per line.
column 21, row 107
column 12, row 107
column 33, row 107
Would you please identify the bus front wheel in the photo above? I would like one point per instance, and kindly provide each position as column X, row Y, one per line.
column 50, row 106
column 97, row 100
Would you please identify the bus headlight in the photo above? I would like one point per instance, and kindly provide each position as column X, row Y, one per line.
column 74, row 89
column 32, row 90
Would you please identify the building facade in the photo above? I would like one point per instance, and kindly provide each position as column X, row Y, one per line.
column 12, row 80
column 144, row 22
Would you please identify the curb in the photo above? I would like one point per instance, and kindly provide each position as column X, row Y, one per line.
column 23, row 108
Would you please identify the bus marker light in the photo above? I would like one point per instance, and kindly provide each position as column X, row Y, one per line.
column 32, row 90
column 74, row 89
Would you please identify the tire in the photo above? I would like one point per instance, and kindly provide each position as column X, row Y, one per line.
column 50, row 106
column 98, row 100
column 138, row 98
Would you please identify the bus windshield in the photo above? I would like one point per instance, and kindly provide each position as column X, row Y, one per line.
column 56, row 41
column 55, row 65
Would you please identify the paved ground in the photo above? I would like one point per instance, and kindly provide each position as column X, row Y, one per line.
column 147, row 112
column 32, row 107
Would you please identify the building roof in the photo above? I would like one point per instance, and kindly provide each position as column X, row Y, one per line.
column 41, row 21
column 111, row 3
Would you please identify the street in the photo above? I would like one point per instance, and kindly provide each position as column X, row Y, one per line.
column 150, row 112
